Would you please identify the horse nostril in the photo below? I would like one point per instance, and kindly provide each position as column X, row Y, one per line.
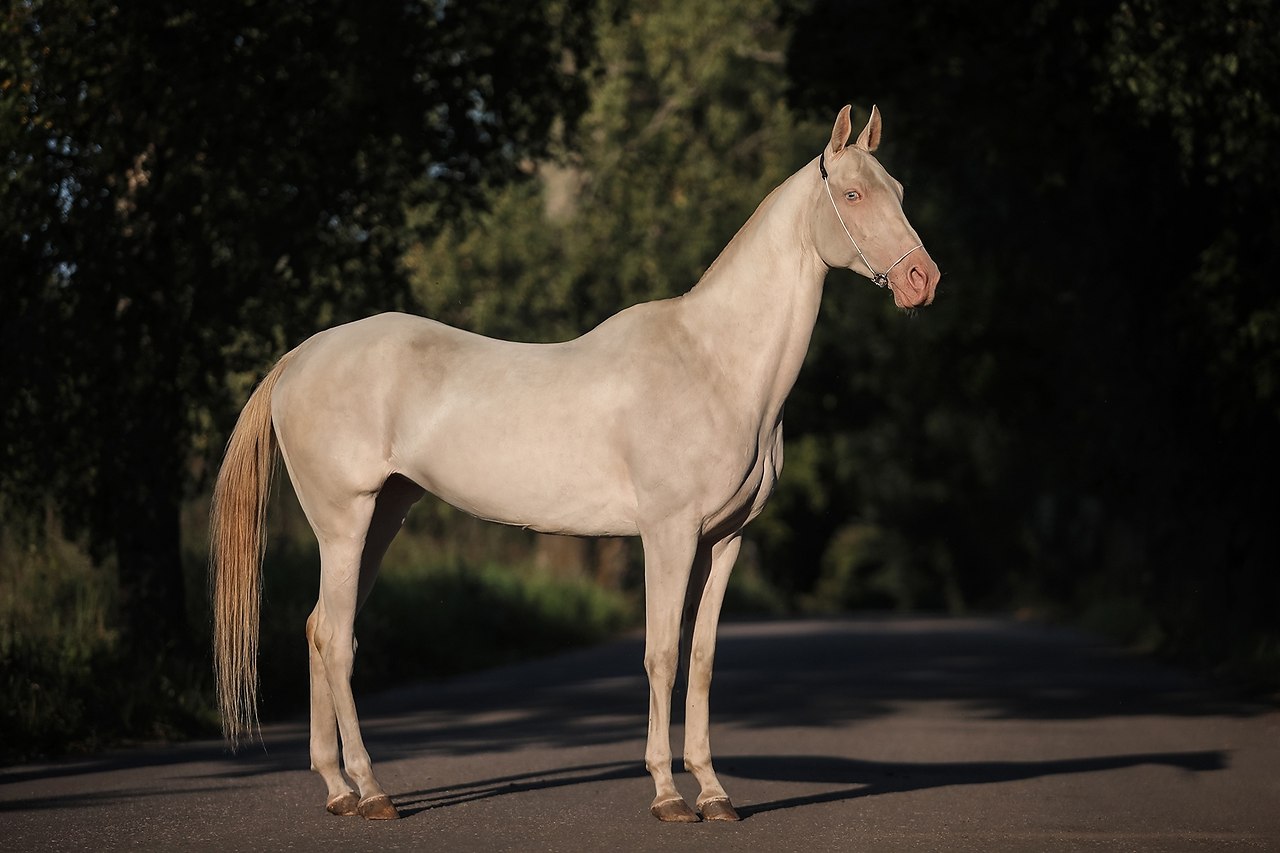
column 918, row 278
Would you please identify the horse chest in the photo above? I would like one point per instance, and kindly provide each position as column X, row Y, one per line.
column 752, row 491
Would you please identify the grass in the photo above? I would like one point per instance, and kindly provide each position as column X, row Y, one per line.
column 439, row 608
column 65, row 683
column 68, row 686
column 431, row 618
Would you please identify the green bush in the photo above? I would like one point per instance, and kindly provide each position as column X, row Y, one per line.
column 427, row 619
column 68, row 684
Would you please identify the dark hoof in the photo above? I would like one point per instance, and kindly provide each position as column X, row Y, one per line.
column 378, row 808
column 673, row 811
column 718, row 810
column 344, row 804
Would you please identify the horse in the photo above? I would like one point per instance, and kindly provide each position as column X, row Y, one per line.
column 663, row 422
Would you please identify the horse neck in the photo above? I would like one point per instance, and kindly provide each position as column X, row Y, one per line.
column 756, row 306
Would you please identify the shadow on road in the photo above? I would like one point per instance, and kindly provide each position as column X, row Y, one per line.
column 854, row 778
column 455, row 795
column 818, row 673
column 858, row 778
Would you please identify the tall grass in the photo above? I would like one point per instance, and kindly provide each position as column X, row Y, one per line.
column 67, row 684
column 454, row 595
column 430, row 616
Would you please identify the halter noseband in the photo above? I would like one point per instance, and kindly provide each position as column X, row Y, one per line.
column 880, row 278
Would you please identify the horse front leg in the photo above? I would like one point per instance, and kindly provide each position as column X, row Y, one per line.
column 713, row 803
column 668, row 559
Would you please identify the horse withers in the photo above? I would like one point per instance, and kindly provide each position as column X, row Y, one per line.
column 663, row 422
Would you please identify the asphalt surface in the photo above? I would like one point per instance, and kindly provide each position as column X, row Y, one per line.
column 833, row 735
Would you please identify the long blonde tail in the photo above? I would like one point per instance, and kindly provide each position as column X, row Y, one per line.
column 236, row 547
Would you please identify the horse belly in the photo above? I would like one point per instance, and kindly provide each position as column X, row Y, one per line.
column 530, row 469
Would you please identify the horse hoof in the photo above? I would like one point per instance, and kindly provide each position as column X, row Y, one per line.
column 378, row 808
column 718, row 810
column 344, row 804
column 673, row 811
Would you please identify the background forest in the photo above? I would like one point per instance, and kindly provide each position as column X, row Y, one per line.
column 1082, row 427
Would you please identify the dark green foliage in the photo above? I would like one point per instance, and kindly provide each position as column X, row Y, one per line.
column 1085, row 416
column 429, row 618
column 1091, row 416
column 54, row 703
column 189, row 191
column 1085, row 420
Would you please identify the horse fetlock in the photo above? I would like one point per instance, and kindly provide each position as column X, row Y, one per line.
column 360, row 771
column 658, row 764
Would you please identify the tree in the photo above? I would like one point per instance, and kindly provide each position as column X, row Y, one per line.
column 190, row 191
column 686, row 131
column 1102, row 185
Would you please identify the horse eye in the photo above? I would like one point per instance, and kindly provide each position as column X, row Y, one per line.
column 853, row 195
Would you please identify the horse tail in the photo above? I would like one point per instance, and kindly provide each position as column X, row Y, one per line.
column 236, row 548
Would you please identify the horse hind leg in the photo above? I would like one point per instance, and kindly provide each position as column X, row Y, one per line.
column 394, row 500
column 349, row 568
column 342, row 798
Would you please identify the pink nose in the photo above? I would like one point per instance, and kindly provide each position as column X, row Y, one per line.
column 920, row 281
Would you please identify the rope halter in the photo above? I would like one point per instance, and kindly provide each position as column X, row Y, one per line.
column 880, row 278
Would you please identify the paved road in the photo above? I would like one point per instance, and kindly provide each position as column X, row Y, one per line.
column 860, row 734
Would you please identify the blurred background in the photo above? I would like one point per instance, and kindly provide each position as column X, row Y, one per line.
column 1082, row 428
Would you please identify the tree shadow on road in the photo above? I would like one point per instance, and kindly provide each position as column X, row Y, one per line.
column 857, row 778
column 853, row 778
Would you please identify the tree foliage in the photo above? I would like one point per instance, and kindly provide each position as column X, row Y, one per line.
column 189, row 190
column 686, row 131
column 1086, row 414
column 1100, row 189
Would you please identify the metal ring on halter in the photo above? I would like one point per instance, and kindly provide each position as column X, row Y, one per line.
column 881, row 279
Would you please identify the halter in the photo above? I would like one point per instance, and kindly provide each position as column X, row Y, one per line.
column 880, row 278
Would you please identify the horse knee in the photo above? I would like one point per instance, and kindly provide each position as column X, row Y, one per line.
column 696, row 765
column 700, row 664
column 660, row 666
column 701, row 657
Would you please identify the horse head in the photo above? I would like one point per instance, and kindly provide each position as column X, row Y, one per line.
column 859, row 223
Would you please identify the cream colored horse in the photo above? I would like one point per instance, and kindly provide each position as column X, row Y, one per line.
column 664, row 422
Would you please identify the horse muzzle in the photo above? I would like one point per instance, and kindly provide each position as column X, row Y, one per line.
column 915, row 280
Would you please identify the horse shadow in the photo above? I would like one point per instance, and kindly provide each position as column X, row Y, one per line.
column 857, row 778
column 850, row 778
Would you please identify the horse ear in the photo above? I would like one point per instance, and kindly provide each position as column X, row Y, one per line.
column 869, row 139
column 840, row 132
